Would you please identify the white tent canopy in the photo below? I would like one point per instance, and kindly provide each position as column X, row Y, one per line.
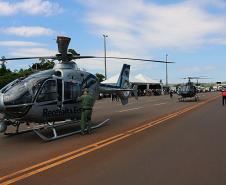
column 111, row 80
column 139, row 78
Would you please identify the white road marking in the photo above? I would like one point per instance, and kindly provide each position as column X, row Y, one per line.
column 133, row 102
column 101, row 102
column 159, row 104
column 152, row 100
column 98, row 105
column 126, row 110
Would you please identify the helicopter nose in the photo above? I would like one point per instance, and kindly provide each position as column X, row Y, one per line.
column 1, row 102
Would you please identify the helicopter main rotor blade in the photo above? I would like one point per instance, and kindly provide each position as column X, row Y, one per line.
column 82, row 57
column 26, row 58
column 192, row 77
column 123, row 58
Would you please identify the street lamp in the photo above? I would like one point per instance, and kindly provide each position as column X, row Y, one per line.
column 105, row 64
column 166, row 71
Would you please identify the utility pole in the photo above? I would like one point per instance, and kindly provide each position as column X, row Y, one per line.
column 105, row 62
column 166, row 70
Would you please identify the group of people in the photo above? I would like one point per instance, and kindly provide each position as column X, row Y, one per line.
column 114, row 97
column 152, row 92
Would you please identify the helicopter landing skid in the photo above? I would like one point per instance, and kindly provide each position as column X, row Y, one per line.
column 55, row 136
column 196, row 98
column 182, row 99
column 18, row 131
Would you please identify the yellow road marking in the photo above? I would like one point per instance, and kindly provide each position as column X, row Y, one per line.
column 43, row 166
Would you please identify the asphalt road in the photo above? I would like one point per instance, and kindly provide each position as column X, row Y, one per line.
column 184, row 149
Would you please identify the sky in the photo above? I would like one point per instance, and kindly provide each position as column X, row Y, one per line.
column 191, row 32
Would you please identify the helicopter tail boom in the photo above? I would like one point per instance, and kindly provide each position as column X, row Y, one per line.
column 122, row 87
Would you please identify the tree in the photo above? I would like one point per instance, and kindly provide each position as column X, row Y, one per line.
column 100, row 77
column 8, row 76
column 3, row 70
column 44, row 64
column 73, row 52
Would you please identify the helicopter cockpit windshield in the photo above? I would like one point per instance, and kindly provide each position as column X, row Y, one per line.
column 23, row 92
column 185, row 89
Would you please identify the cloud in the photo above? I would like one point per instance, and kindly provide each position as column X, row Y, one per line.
column 197, row 69
column 213, row 3
column 140, row 26
column 29, row 52
column 28, row 31
column 31, row 7
column 144, row 29
column 216, row 40
column 19, row 44
column 113, row 66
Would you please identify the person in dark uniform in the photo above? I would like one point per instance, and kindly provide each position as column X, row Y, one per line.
column 87, row 102
column 171, row 94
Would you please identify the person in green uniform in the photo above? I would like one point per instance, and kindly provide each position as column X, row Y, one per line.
column 87, row 102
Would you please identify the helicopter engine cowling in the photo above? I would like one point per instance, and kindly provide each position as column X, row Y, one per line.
column 3, row 126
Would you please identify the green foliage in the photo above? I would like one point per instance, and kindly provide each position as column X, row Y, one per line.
column 44, row 64
column 10, row 76
column 3, row 69
column 7, row 78
column 100, row 77
column 73, row 52
column 6, row 75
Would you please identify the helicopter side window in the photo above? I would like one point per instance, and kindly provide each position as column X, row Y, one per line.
column 48, row 92
column 59, row 89
column 71, row 90
column 68, row 91
column 76, row 90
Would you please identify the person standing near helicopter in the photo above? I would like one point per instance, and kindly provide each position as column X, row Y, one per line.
column 223, row 96
column 87, row 102
column 171, row 94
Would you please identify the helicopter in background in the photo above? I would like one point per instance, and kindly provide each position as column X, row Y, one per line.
column 189, row 90
column 48, row 99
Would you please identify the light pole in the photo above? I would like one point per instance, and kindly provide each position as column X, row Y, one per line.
column 105, row 62
column 166, row 71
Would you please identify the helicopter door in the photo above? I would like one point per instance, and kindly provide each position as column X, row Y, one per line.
column 45, row 107
column 71, row 93
column 48, row 92
column 60, row 89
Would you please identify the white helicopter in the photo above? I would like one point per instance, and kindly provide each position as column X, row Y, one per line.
column 48, row 99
